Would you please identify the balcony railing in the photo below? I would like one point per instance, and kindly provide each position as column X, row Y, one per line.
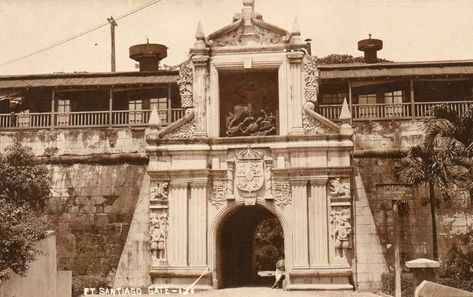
column 397, row 111
column 115, row 118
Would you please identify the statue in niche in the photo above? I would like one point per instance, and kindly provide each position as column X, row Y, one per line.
column 341, row 230
column 158, row 236
column 338, row 189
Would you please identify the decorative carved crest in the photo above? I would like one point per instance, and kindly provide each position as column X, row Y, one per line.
column 249, row 175
column 248, row 29
column 250, row 154
column 282, row 194
column 184, row 82
column 219, row 194
column 339, row 189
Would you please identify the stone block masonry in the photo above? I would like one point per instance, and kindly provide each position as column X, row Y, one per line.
column 92, row 207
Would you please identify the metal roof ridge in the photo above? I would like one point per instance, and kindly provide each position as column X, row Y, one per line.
column 396, row 64
column 87, row 74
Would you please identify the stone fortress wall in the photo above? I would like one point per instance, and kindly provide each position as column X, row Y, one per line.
column 377, row 147
column 97, row 176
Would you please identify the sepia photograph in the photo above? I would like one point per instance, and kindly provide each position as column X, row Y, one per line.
column 236, row 148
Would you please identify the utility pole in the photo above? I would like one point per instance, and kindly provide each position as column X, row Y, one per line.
column 113, row 24
column 397, row 261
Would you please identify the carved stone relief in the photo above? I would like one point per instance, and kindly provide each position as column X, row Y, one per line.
column 219, row 193
column 185, row 131
column 311, row 76
column 312, row 126
column 249, row 170
column 282, row 194
column 311, row 90
column 158, row 236
column 341, row 230
column 248, row 104
column 339, row 188
column 184, row 82
column 159, row 191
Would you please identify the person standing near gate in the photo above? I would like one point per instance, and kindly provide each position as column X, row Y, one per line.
column 279, row 273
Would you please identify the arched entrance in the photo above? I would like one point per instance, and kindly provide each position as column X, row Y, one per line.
column 249, row 241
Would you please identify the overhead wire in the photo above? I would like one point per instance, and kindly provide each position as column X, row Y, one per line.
column 124, row 15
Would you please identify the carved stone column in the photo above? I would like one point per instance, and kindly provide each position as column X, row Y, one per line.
column 178, row 236
column 296, row 98
column 340, row 220
column 200, row 93
column 198, row 223
column 299, row 241
column 318, row 222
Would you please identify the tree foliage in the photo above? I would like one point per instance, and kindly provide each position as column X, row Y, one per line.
column 24, row 190
column 344, row 59
column 451, row 136
column 443, row 162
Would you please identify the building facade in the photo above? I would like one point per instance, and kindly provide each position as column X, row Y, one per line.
column 176, row 169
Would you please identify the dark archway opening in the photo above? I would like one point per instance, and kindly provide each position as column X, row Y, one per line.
column 249, row 243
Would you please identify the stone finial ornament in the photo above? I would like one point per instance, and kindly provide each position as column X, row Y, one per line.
column 296, row 34
column 345, row 118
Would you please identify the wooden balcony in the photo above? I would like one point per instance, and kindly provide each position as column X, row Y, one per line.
column 84, row 119
column 381, row 111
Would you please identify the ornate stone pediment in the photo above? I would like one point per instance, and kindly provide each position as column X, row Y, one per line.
column 248, row 29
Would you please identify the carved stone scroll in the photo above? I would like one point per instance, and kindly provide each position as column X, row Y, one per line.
column 184, row 82
column 311, row 76
column 282, row 194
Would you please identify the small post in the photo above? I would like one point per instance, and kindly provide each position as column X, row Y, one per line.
column 413, row 105
column 397, row 260
column 53, row 108
column 113, row 24
column 170, row 119
column 110, row 107
column 350, row 101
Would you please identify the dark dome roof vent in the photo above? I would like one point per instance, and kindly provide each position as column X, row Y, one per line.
column 148, row 55
column 370, row 47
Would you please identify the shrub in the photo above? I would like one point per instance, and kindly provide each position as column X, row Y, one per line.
column 79, row 282
column 407, row 284
column 456, row 270
column 24, row 190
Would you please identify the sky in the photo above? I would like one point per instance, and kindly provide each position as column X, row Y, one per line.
column 411, row 30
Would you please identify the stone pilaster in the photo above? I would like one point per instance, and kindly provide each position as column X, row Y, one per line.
column 178, row 236
column 296, row 98
column 200, row 92
column 197, row 223
column 300, row 242
column 318, row 222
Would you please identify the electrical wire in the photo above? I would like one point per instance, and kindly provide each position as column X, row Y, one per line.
column 128, row 13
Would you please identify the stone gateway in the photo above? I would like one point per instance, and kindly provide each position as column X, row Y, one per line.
column 250, row 147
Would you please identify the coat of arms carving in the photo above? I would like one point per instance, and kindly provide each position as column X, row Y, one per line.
column 249, row 173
